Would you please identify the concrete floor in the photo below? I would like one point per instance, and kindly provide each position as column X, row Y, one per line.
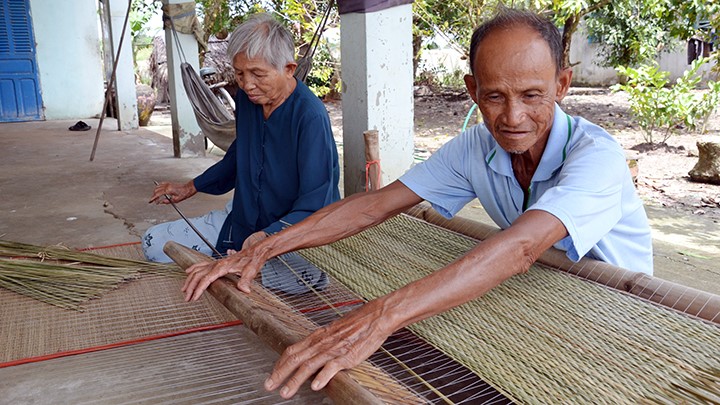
column 52, row 194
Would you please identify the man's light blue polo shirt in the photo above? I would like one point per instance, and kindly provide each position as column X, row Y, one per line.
column 583, row 180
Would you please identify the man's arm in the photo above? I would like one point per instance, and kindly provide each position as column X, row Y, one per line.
column 334, row 222
column 348, row 341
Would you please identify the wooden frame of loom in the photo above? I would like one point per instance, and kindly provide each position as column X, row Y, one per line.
column 344, row 388
column 687, row 300
column 259, row 313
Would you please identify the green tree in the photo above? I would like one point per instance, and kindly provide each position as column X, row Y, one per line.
column 633, row 33
column 141, row 11
column 568, row 14
column 220, row 17
column 456, row 20
column 659, row 105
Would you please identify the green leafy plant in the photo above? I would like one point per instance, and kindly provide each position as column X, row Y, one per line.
column 708, row 103
column 324, row 67
column 658, row 107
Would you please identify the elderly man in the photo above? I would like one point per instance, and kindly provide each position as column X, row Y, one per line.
column 283, row 164
column 546, row 178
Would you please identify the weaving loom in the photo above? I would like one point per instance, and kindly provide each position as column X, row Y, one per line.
column 542, row 337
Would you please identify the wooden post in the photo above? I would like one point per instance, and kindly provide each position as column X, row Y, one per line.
column 259, row 312
column 373, row 173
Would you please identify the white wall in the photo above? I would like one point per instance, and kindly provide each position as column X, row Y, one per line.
column 443, row 61
column 377, row 91
column 586, row 73
column 68, row 57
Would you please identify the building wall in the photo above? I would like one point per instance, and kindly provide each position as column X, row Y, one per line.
column 69, row 58
column 377, row 91
column 589, row 73
column 585, row 73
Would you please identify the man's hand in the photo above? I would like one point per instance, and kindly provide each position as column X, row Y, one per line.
column 176, row 191
column 201, row 275
column 341, row 345
column 253, row 239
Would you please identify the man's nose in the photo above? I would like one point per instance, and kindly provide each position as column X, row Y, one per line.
column 514, row 112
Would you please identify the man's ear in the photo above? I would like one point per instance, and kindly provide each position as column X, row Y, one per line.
column 471, row 86
column 563, row 83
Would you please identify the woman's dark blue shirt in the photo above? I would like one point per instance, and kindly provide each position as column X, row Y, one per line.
column 282, row 168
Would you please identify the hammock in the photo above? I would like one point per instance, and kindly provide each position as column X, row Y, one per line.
column 213, row 118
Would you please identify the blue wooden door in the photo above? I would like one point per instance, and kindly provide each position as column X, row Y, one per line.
column 19, row 84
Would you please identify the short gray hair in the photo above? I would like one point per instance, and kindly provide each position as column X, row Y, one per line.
column 261, row 36
column 509, row 17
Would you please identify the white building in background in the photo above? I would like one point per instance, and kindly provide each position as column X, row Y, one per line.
column 69, row 58
column 589, row 73
column 446, row 60
column 53, row 65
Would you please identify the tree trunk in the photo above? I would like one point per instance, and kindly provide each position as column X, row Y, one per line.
column 417, row 48
column 569, row 29
column 707, row 169
column 570, row 26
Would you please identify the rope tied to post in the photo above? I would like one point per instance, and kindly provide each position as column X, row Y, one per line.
column 181, row 17
column 375, row 184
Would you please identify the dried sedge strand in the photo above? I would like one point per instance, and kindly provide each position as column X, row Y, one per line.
column 66, row 278
column 527, row 335
column 47, row 294
column 18, row 249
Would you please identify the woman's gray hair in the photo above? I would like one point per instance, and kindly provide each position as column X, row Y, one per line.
column 261, row 36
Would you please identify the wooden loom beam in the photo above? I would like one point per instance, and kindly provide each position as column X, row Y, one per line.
column 258, row 311
column 688, row 300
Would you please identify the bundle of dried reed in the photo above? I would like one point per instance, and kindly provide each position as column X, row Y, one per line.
column 67, row 278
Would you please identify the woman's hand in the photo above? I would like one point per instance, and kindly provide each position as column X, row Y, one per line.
column 175, row 191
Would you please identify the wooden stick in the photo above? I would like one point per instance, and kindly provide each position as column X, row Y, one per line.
column 373, row 175
column 255, row 311
column 108, row 91
column 688, row 300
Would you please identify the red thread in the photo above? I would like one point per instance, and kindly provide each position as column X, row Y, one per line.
column 118, row 344
column 367, row 173
column 110, row 246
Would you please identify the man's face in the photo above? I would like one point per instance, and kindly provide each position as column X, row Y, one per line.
column 515, row 85
column 261, row 81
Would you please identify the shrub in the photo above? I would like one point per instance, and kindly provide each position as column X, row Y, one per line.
column 667, row 109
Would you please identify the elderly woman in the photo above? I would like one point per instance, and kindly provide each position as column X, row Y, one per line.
column 283, row 164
